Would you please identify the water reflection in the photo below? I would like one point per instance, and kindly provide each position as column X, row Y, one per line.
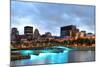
column 81, row 56
column 68, row 55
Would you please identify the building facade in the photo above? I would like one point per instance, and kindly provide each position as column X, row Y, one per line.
column 28, row 32
column 36, row 34
column 70, row 30
column 14, row 34
column 82, row 34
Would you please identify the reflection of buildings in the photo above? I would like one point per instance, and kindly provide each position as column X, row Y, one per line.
column 70, row 30
column 28, row 31
column 14, row 34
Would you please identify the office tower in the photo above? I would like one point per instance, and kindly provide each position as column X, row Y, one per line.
column 69, row 30
column 28, row 32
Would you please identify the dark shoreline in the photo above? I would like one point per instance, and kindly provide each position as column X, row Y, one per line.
column 76, row 48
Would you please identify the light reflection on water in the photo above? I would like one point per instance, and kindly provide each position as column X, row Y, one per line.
column 66, row 56
column 81, row 56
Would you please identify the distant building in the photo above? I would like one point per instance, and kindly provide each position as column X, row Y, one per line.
column 62, row 37
column 36, row 34
column 90, row 35
column 70, row 30
column 82, row 34
column 43, row 37
column 14, row 31
column 22, row 37
column 28, row 31
column 77, row 34
column 14, row 34
column 48, row 34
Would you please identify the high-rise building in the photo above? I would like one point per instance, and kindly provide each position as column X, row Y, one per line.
column 36, row 34
column 14, row 34
column 28, row 31
column 69, row 30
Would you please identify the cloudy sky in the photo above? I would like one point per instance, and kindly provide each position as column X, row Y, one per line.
column 49, row 17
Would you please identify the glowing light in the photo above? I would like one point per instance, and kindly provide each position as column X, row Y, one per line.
column 46, row 51
column 26, row 52
column 48, row 56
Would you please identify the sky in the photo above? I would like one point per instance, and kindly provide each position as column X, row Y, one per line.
column 49, row 17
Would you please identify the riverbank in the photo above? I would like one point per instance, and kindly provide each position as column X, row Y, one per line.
column 80, row 48
column 19, row 57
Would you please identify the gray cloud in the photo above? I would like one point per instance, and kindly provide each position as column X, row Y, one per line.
column 50, row 17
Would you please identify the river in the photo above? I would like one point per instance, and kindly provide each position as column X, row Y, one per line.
column 67, row 56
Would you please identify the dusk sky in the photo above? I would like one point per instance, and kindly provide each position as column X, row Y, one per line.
column 49, row 17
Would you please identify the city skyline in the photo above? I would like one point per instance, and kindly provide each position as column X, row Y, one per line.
column 47, row 17
column 48, row 31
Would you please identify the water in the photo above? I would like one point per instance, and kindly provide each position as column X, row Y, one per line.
column 81, row 56
column 68, row 55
